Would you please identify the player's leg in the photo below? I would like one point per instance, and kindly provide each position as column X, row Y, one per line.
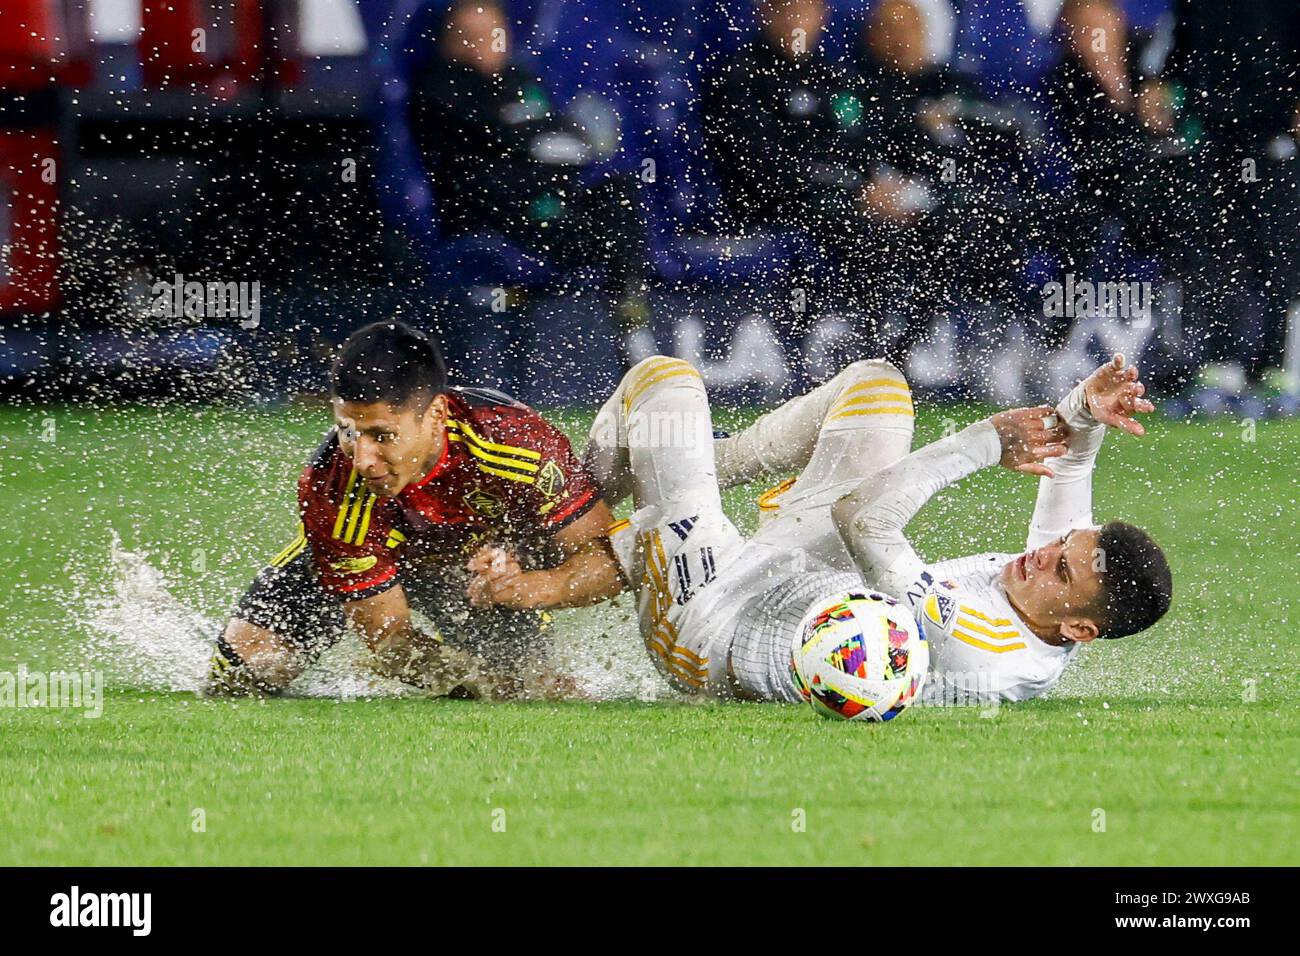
column 867, row 426
column 249, row 660
column 654, row 440
column 282, row 622
column 848, row 426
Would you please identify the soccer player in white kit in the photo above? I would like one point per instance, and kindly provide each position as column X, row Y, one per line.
column 719, row 613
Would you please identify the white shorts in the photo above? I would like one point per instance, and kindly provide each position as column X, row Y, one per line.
column 694, row 572
column 674, row 556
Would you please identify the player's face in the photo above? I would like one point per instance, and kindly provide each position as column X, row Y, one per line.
column 898, row 36
column 1056, row 586
column 391, row 446
column 781, row 18
column 476, row 37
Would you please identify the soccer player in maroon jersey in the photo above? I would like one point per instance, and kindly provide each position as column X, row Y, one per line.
column 413, row 480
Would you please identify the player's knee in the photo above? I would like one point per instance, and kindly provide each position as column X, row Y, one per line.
column 657, row 370
column 881, row 370
column 870, row 392
column 251, row 660
column 649, row 367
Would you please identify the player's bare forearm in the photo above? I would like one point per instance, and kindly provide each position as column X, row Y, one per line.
column 401, row 650
column 580, row 534
column 382, row 620
column 589, row 575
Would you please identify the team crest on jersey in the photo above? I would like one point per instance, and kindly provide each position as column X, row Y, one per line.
column 480, row 502
column 550, row 480
column 355, row 565
column 940, row 609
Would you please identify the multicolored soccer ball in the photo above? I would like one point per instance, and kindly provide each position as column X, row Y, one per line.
column 859, row 656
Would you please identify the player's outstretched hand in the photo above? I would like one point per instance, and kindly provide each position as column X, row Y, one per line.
column 495, row 578
column 1115, row 395
column 1030, row 436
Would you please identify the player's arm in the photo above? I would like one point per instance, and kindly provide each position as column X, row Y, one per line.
column 577, row 520
column 588, row 573
column 1065, row 498
column 365, row 576
column 873, row 517
column 384, row 624
column 404, row 652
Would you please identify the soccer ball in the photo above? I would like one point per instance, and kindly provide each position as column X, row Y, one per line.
column 859, row 656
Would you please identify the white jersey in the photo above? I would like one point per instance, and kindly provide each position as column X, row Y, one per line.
column 758, row 639
column 979, row 646
column 980, row 649
column 720, row 614
column 745, row 624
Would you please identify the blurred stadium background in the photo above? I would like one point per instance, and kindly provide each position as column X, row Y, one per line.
column 282, row 144
column 282, row 148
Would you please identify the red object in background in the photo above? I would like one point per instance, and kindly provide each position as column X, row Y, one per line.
column 29, row 191
column 43, row 41
column 30, row 44
column 167, row 40
column 169, row 35
column 248, row 54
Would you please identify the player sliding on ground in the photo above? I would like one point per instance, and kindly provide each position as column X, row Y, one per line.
column 720, row 614
column 413, row 478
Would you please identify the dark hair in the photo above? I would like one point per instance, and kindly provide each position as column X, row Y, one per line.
column 388, row 362
column 1135, row 581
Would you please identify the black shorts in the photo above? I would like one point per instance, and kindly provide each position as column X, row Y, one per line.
column 288, row 601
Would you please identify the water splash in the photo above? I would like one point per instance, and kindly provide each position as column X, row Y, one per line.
column 140, row 633
column 144, row 637
column 602, row 649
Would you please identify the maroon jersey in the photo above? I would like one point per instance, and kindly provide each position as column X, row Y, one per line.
column 506, row 476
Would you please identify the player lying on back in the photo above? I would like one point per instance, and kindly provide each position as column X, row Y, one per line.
column 414, row 477
column 720, row 614
column 1005, row 626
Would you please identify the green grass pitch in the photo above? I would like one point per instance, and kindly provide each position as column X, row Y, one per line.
column 1178, row 747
